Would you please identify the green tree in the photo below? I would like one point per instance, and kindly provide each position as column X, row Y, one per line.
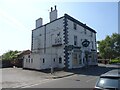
column 116, row 44
column 10, row 55
column 110, row 47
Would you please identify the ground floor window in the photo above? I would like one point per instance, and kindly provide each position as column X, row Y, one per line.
column 60, row 60
column 80, row 58
column 54, row 59
column 93, row 57
column 43, row 60
column 26, row 60
column 31, row 60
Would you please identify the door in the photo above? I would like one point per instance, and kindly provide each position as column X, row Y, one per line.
column 75, row 60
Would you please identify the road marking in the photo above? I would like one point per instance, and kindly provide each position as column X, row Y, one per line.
column 44, row 81
column 30, row 85
column 91, row 79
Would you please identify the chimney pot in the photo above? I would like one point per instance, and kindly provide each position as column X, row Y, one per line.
column 55, row 7
column 51, row 9
column 53, row 14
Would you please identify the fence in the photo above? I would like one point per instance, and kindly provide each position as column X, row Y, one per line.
column 104, row 61
column 5, row 63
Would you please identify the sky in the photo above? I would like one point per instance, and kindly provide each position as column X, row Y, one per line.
column 17, row 19
column 119, row 17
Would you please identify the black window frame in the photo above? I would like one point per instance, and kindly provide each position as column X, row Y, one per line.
column 43, row 60
column 85, row 31
column 31, row 60
column 75, row 26
column 28, row 56
column 54, row 59
column 60, row 60
column 75, row 40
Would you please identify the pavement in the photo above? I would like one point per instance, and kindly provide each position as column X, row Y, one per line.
column 18, row 77
column 61, row 74
column 78, row 78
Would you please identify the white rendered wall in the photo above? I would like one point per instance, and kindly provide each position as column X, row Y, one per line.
column 46, row 50
column 81, row 36
column 42, row 50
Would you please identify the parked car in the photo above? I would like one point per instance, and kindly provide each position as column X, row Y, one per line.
column 109, row 81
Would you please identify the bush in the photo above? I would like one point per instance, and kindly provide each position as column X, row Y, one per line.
column 118, row 58
column 114, row 61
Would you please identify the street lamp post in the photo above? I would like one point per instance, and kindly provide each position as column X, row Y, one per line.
column 51, row 56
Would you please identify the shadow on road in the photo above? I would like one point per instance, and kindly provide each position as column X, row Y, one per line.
column 92, row 70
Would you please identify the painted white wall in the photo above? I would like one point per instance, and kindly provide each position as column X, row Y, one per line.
column 81, row 36
column 53, row 15
column 39, row 22
column 51, row 53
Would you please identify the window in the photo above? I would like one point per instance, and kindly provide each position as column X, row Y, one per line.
column 54, row 59
column 85, row 31
column 40, row 34
column 60, row 60
column 75, row 26
column 43, row 60
column 31, row 60
column 28, row 56
column 58, row 34
column 75, row 40
column 91, row 34
column 92, row 45
column 32, row 41
column 108, row 83
column 80, row 61
column 75, row 61
column 26, row 60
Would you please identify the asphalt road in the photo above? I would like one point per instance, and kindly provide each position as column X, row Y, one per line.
column 84, row 78
column 17, row 77
column 75, row 81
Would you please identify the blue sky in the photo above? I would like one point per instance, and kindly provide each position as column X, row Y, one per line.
column 17, row 19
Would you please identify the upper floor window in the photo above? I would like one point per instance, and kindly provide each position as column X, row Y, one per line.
column 92, row 45
column 75, row 26
column 43, row 60
column 91, row 34
column 85, row 31
column 75, row 40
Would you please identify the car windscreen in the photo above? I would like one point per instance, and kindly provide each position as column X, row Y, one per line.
column 109, row 82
